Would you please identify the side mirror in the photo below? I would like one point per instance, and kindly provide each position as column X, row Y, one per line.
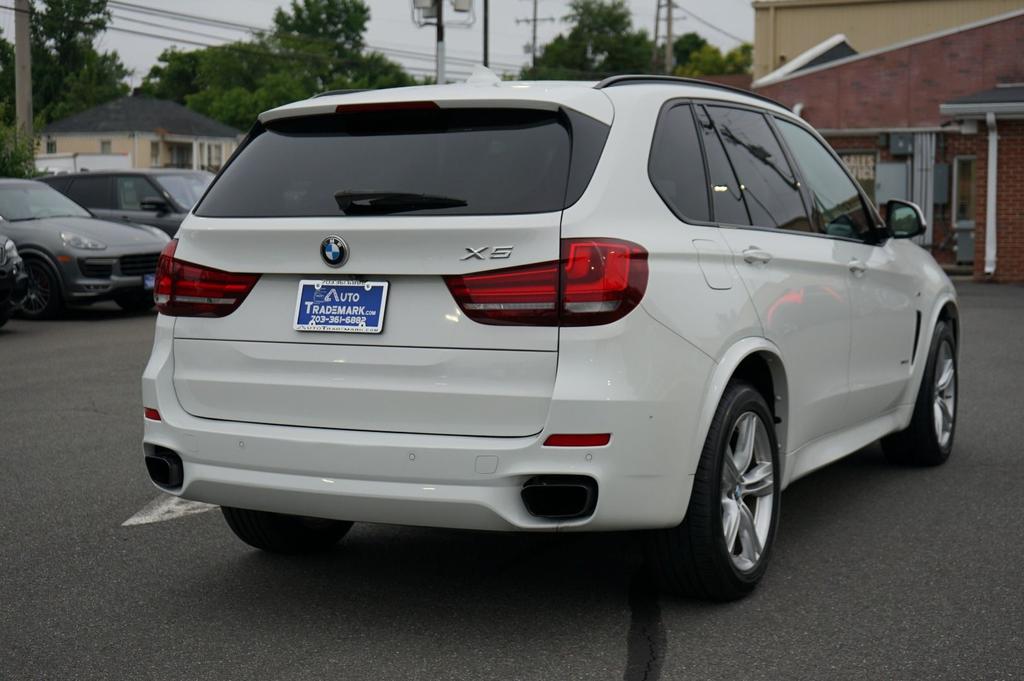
column 905, row 219
column 154, row 204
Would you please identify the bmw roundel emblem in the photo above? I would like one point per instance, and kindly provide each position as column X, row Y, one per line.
column 334, row 251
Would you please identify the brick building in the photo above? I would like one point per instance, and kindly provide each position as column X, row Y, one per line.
column 930, row 120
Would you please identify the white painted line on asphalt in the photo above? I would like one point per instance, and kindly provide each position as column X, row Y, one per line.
column 167, row 507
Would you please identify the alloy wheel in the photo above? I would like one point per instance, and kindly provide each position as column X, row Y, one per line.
column 944, row 398
column 748, row 491
column 39, row 289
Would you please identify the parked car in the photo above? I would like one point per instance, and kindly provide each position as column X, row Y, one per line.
column 495, row 308
column 72, row 257
column 13, row 279
column 159, row 197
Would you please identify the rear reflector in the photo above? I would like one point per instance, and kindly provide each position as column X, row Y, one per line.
column 184, row 289
column 578, row 440
column 596, row 281
column 152, row 414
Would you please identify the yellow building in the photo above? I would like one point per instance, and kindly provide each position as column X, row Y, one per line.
column 149, row 133
column 785, row 28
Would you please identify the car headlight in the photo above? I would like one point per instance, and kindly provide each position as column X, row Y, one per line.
column 78, row 241
column 8, row 252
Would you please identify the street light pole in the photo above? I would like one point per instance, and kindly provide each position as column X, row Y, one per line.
column 487, row 29
column 440, row 43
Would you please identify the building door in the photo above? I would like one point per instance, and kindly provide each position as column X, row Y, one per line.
column 963, row 208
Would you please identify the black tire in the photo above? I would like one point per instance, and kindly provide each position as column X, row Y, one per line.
column 45, row 297
column 136, row 302
column 279, row 533
column 692, row 559
column 919, row 444
column 5, row 313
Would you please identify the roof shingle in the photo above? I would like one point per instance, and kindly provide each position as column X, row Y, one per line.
column 142, row 114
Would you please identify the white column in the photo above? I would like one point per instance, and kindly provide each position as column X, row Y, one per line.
column 195, row 154
column 991, row 182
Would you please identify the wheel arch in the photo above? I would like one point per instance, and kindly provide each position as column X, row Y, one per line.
column 759, row 362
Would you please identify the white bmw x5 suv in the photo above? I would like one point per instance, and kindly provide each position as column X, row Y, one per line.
column 639, row 304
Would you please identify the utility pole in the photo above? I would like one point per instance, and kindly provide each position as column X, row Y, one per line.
column 533, row 41
column 440, row 43
column 487, row 29
column 22, row 68
column 657, row 28
column 669, row 54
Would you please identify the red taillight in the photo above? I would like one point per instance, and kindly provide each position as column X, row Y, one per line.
column 597, row 281
column 187, row 290
column 151, row 414
column 578, row 440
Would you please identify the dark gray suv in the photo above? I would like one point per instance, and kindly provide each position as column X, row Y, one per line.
column 159, row 197
column 73, row 258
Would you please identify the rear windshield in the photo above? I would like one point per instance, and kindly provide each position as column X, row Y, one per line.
column 410, row 162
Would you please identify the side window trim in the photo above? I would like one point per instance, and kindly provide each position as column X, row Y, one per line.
column 878, row 226
column 667, row 106
column 794, row 167
column 732, row 169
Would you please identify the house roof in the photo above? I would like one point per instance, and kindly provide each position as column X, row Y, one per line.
column 1003, row 99
column 783, row 73
column 142, row 114
column 830, row 49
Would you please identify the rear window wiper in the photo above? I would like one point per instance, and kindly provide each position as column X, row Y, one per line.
column 383, row 203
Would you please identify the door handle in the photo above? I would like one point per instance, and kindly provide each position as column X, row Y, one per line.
column 755, row 255
column 858, row 267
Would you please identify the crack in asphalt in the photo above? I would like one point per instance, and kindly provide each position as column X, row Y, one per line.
column 645, row 643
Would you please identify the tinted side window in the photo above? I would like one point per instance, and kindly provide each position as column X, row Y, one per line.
column 837, row 204
column 727, row 198
column 91, row 192
column 132, row 189
column 676, row 168
column 769, row 185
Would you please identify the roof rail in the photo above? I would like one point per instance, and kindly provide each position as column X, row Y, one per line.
column 328, row 93
column 679, row 80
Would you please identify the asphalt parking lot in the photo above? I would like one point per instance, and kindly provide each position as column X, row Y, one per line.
column 879, row 572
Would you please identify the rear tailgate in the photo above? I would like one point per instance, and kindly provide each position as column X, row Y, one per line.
column 429, row 369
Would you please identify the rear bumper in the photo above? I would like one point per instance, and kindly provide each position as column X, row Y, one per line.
column 609, row 380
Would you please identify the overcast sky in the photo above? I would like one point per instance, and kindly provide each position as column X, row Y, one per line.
column 391, row 28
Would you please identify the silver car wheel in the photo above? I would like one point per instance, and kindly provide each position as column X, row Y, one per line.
column 748, row 491
column 944, row 397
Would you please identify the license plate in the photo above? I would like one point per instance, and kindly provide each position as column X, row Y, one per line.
column 341, row 306
column 148, row 281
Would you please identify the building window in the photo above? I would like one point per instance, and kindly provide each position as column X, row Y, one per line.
column 154, row 154
column 213, row 157
column 51, row 146
column 104, row 146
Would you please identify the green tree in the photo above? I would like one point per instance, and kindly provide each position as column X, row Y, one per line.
column 17, row 152
column 68, row 73
column 600, row 43
column 314, row 45
column 174, row 76
column 708, row 60
column 685, row 45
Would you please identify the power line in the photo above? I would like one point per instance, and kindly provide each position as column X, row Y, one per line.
column 712, row 26
column 249, row 28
